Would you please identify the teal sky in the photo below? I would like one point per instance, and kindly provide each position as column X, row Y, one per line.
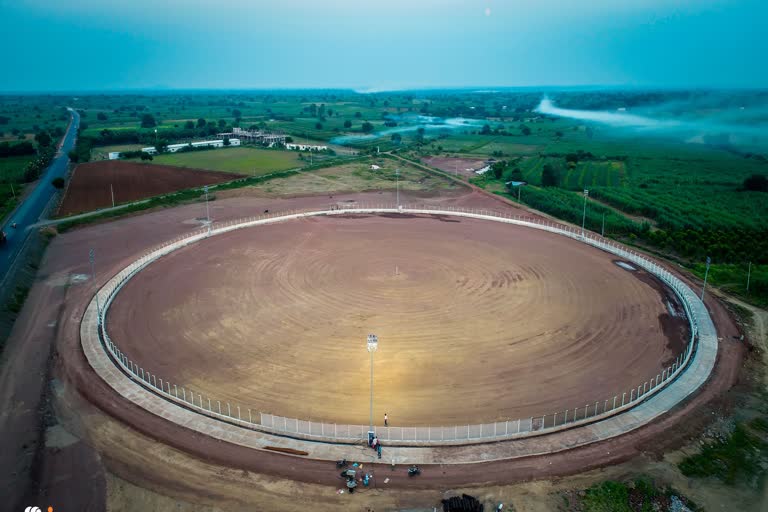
column 76, row 45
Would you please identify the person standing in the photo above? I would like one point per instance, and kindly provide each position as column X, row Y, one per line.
column 386, row 420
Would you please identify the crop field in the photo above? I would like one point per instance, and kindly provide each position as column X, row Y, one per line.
column 241, row 160
column 93, row 184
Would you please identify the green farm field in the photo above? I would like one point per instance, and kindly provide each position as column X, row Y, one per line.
column 242, row 160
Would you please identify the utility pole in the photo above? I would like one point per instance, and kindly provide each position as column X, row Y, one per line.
column 397, row 182
column 519, row 190
column 112, row 191
column 584, row 215
column 13, row 191
column 207, row 210
column 706, row 274
column 749, row 272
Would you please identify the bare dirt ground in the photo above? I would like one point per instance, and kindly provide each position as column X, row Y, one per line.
column 124, row 459
column 478, row 321
column 453, row 165
column 89, row 188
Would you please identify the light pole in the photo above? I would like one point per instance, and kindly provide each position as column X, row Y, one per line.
column 207, row 209
column 397, row 185
column 373, row 344
column 706, row 274
column 92, row 258
column 584, row 215
column 602, row 231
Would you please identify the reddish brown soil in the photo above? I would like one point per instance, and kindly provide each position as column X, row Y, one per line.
column 478, row 321
column 457, row 166
column 89, row 188
column 51, row 318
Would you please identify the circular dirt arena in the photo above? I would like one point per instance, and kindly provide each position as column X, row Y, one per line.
column 477, row 321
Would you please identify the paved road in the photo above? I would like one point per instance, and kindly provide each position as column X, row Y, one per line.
column 32, row 208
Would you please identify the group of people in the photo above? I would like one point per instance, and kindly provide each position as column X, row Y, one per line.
column 376, row 445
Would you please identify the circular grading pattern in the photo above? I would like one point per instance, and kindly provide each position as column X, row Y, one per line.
column 478, row 321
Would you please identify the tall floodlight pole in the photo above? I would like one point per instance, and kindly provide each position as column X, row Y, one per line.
column 706, row 274
column 397, row 185
column 373, row 344
column 207, row 209
column 584, row 215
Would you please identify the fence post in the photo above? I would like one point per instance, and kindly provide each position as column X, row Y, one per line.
column 209, row 405
column 229, row 410
column 622, row 398
column 250, row 418
column 219, row 402
column 176, row 390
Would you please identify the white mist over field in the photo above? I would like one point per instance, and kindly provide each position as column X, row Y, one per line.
column 409, row 124
column 611, row 118
column 692, row 121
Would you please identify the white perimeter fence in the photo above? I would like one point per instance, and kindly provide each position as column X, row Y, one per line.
column 602, row 407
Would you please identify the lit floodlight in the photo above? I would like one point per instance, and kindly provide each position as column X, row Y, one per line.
column 373, row 342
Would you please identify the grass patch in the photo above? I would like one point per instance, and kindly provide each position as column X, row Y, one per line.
column 641, row 495
column 16, row 301
column 241, row 160
column 740, row 457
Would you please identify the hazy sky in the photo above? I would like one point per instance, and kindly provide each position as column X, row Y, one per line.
column 54, row 45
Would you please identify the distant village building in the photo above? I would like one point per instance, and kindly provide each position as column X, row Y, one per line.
column 375, row 167
column 483, row 170
column 114, row 155
column 306, row 147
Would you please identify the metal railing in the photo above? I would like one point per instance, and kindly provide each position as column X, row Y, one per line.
column 238, row 414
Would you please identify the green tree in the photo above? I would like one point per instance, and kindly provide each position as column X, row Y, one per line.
column 367, row 127
column 44, row 139
column 396, row 138
column 549, row 176
column 148, row 121
column 236, row 113
column 498, row 168
column 756, row 183
column 189, row 125
column 318, row 126
column 201, row 123
column 101, row 116
column 347, row 124
column 58, row 183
